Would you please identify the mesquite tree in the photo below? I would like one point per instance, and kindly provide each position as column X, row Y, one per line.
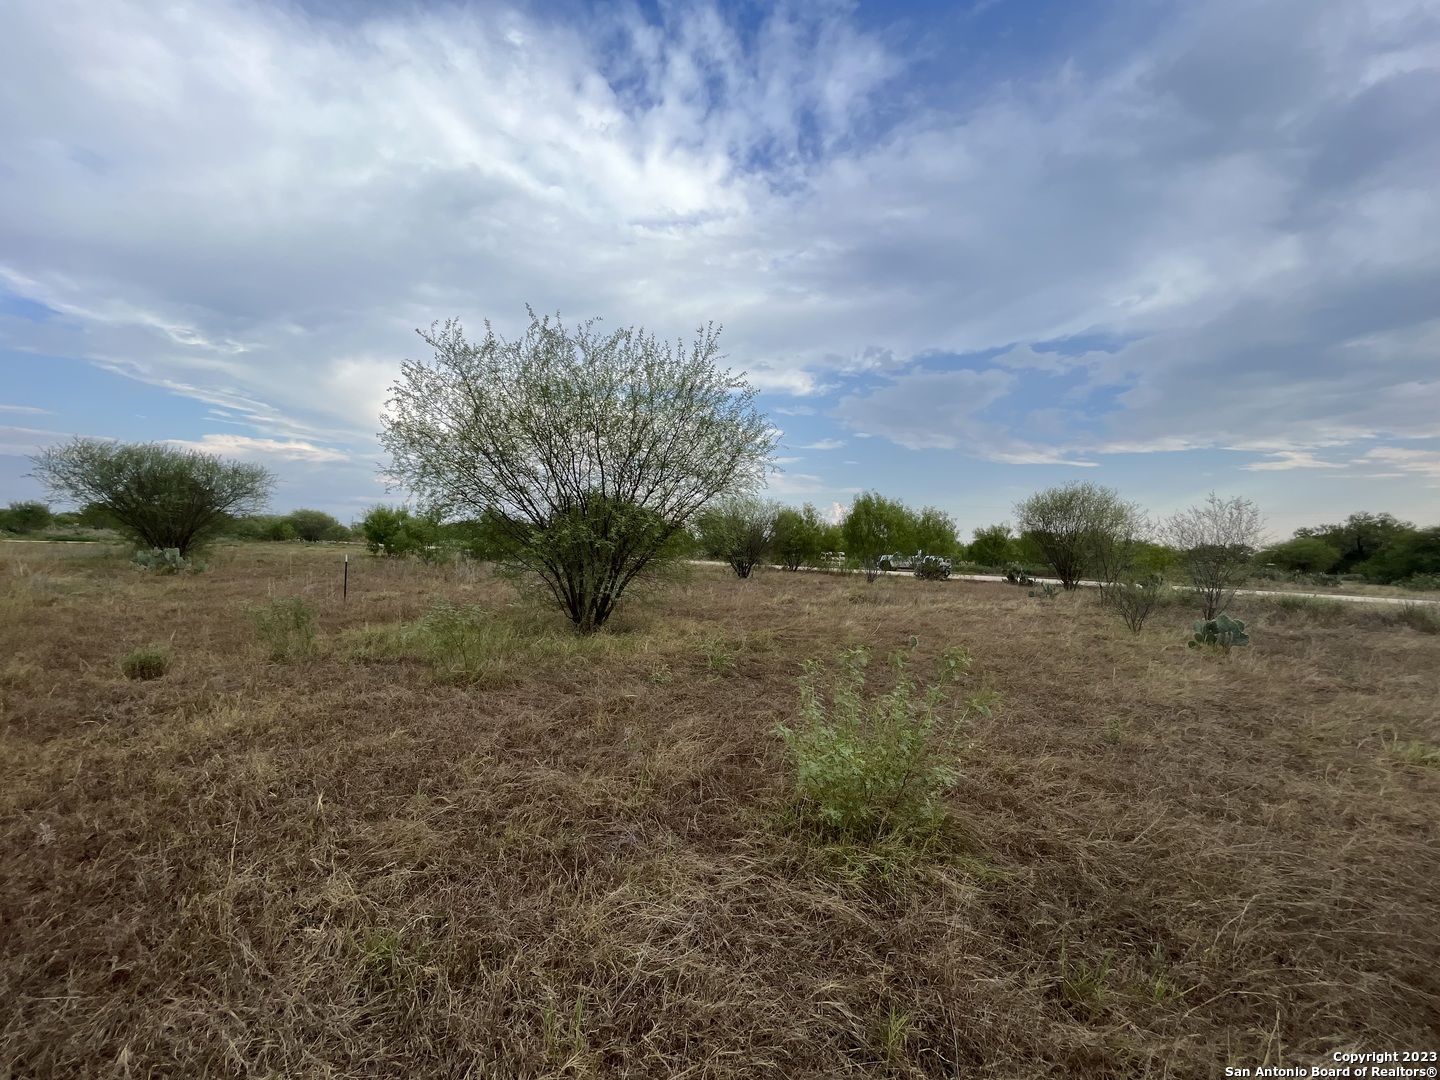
column 1217, row 544
column 1083, row 529
column 587, row 452
column 157, row 495
column 739, row 529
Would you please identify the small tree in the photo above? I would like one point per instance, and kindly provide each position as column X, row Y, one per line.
column 26, row 517
column 1116, row 545
column 1359, row 538
column 158, row 496
column 876, row 526
column 739, row 529
column 589, row 451
column 312, row 526
column 1217, row 543
column 1303, row 554
column 396, row 532
column 933, row 532
column 799, row 537
column 1413, row 553
column 994, row 545
column 1081, row 528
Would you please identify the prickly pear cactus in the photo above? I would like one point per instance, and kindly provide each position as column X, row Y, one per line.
column 164, row 561
column 1221, row 632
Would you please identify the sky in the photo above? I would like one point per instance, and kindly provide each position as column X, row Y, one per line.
column 965, row 250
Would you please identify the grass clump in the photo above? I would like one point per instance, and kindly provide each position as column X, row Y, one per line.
column 1422, row 617
column 1083, row 982
column 1415, row 752
column 146, row 662
column 285, row 628
column 870, row 767
column 463, row 644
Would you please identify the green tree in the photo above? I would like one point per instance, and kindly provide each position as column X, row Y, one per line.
column 158, row 496
column 312, row 526
column 26, row 517
column 739, row 529
column 993, row 546
column 1083, row 529
column 1303, row 554
column 876, row 526
column 799, row 537
column 269, row 527
column 396, row 532
column 591, row 451
column 1359, row 538
column 1216, row 544
column 1415, row 551
column 933, row 532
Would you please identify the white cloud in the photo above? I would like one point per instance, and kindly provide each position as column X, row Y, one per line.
column 1290, row 459
column 255, row 209
column 825, row 444
column 795, row 484
column 27, row 410
column 245, row 446
column 1419, row 462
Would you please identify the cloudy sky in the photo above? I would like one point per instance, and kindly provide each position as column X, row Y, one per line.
column 967, row 250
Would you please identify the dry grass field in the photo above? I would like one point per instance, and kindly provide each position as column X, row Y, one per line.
column 578, row 858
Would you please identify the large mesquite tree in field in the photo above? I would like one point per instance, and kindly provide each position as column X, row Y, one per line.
column 586, row 452
column 157, row 495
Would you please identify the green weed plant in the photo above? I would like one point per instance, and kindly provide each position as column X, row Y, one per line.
column 867, row 766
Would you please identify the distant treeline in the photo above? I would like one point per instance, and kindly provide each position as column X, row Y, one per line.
column 1375, row 547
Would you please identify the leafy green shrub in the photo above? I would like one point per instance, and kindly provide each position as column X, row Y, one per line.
column 166, row 561
column 1421, row 582
column 285, row 628
column 1221, row 632
column 1306, row 554
column 312, row 526
column 870, row 767
column 994, row 545
column 395, row 531
column 461, row 643
column 147, row 662
column 26, row 517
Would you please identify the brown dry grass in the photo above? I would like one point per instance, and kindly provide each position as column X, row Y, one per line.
column 1162, row 862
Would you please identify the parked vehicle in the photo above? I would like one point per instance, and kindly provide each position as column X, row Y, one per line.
column 931, row 567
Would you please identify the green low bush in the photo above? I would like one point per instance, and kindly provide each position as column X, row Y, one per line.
column 463, row 643
column 146, row 662
column 871, row 766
